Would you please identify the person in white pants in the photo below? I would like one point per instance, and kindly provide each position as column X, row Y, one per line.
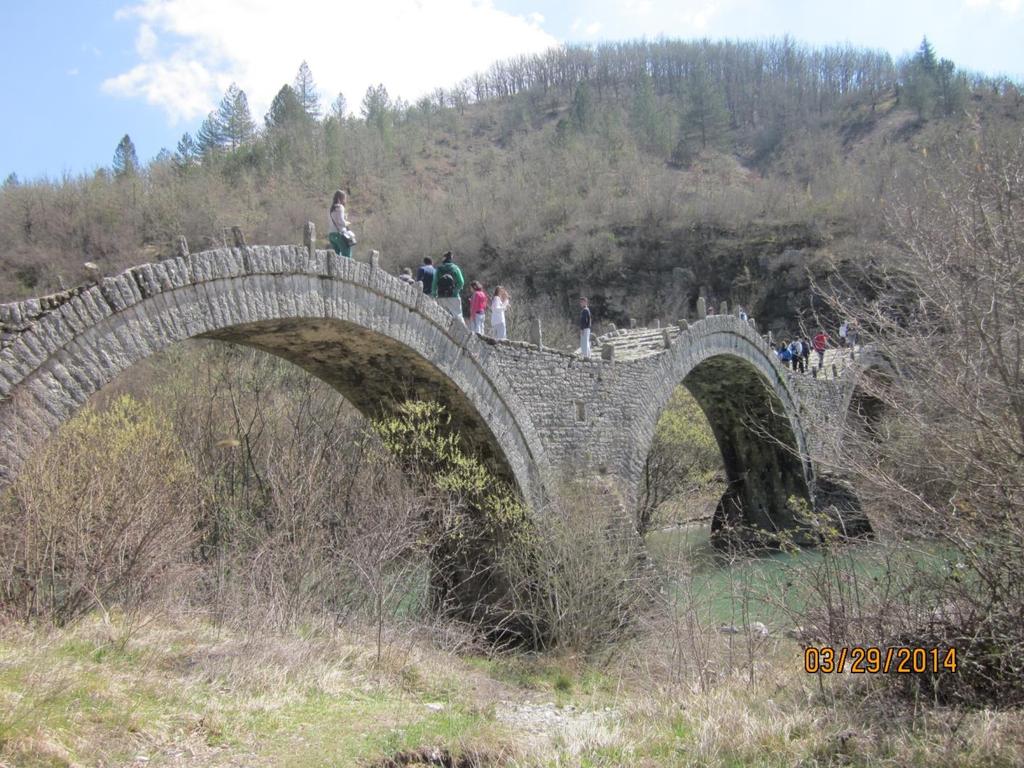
column 584, row 328
column 499, row 304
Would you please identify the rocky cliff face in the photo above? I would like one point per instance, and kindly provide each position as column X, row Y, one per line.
column 660, row 273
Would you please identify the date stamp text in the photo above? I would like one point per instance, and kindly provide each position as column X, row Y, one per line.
column 870, row 660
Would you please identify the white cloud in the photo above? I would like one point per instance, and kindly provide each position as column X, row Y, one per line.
column 411, row 46
column 145, row 42
column 183, row 88
column 73, row 72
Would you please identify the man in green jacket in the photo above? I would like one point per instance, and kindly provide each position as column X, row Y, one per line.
column 448, row 282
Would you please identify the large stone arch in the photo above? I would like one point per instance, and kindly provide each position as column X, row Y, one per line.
column 374, row 338
column 746, row 396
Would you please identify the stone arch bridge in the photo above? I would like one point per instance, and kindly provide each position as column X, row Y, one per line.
column 542, row 418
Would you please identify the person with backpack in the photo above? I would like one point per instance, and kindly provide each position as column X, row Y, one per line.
column 477, row 307
column 448, row 283
column 784, row 354
column 796, row 352
column 425, row 274
column 805, row 349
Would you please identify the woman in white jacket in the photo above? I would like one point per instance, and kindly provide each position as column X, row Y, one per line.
column 339, row 225
column 499, row 303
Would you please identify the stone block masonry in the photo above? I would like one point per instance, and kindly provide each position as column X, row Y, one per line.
column 541, row 417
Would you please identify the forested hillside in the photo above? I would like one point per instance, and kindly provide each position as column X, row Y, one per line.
column 639, row 173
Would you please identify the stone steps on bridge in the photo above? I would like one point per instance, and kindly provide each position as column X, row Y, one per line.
column 635, row 343
column 639, row 343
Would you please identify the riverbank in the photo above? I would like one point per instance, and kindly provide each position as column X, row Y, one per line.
column 180, row 692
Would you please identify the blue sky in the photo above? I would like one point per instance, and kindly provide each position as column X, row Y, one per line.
column 78, row 76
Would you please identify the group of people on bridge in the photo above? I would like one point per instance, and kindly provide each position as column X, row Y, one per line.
column 445, row 283
column 797, row 352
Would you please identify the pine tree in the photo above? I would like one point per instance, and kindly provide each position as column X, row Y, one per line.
column 210, row 136
column 187, row 153
column 649, row 124
column 305, row 90
column 234, row 118
column 376, row 107
column 285, row 109
column 126, row 162
column 583, row 111
column 705, row 118
column 339, row 107
column 925, row 57
column 11, row 181
column 921, row 81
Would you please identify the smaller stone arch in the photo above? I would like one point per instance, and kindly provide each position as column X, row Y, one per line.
column 753, row 412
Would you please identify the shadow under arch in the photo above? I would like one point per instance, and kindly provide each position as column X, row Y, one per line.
column 373, row 372
column 760, row 455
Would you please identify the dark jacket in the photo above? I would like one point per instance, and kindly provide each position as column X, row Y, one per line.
column 584, row 318
column 425, row 274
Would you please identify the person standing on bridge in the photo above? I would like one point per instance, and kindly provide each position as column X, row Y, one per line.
column 499, row 304
column 339, row 234
column 585, row 322
column 820, row 345
column 448, row 283
column 425, row 274
column 477, row 307
column 796, row 351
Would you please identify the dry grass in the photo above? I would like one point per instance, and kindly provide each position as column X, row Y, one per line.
column 183, row 693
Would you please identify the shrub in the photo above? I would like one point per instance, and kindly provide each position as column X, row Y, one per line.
column 101, row 515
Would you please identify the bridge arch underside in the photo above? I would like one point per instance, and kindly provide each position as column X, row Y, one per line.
column 374, row 373
column 376, row 350
column 764, row 468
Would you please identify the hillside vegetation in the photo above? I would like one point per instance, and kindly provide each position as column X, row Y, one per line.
column 641, row 173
